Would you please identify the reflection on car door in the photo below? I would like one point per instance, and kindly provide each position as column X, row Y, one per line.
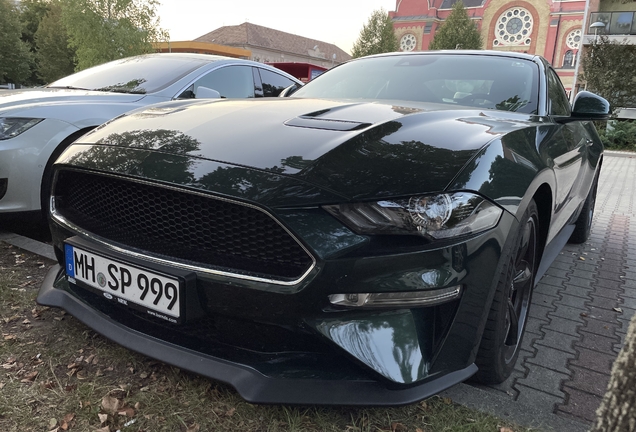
column 568, row 151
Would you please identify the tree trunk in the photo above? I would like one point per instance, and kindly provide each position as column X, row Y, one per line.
column 617, row 412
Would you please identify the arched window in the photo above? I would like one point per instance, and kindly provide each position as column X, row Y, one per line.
column 568, row 60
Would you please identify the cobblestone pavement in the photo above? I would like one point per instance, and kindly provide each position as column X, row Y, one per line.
column 581, row 308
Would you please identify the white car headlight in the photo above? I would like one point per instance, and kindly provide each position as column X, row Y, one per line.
column 13, row 126
column 435, row 216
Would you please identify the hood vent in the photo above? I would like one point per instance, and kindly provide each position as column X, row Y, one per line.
column 311, row 122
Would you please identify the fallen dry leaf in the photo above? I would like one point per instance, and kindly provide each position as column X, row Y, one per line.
column 505, row 429
column 104, row 429
column 230, row 412
column 447, row 401
column 30, row 377
column 127, row 411
column 102, row 418
column 194, row 428
column 397, row 427
column 111, row 404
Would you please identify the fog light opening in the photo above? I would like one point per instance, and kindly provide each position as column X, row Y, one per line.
column 396, row 299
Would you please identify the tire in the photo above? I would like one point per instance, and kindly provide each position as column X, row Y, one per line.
column 508, row 314
column 583, row 224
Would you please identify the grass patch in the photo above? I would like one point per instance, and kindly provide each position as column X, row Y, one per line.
column 58, row 375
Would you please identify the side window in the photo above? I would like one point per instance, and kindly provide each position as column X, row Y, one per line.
column 274, row 83
column 229, row 81
column 559, row 104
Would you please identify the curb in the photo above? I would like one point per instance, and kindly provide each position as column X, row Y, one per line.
column 33, row 246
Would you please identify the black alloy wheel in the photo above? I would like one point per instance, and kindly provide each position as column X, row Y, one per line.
column 508, row 314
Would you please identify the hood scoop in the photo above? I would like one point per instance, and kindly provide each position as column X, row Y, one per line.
column 326, row 124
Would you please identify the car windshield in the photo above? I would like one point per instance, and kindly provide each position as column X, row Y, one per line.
column 482, row 81
column 140, row 75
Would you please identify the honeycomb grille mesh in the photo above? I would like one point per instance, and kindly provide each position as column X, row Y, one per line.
column 180, row 226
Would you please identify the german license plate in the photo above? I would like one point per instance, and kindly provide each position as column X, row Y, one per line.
column 158, row 294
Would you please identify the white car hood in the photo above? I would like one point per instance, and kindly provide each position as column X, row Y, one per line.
column 29, row 98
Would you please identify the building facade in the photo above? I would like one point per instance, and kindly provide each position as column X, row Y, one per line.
column 550, row 28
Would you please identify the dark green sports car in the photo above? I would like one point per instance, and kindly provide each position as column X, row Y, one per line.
column 371, row 240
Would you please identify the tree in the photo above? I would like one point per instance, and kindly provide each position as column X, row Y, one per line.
column 457, row 32
column 15, row 57
column 105, row 30
column 31, row 14
column 54, row 57
column 376, row 36
column 617, row 412
column 608, row 69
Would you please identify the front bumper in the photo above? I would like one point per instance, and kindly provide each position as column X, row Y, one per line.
column 251, row 384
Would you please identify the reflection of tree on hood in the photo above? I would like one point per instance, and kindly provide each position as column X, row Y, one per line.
column 169, row 164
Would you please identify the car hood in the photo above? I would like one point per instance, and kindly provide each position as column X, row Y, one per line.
column 12, row 99
column 350, row 149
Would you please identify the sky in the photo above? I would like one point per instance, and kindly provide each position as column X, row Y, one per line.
column 332, row 21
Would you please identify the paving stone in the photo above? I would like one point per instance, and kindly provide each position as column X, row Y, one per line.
column 578, row 291
column 628, row 302
column 552, row 280
column 604, row 302
column 629, row 292
column 520, row 365
column 537, row 399
column 558, row 265
column 539, row 311
column 580, row 404
column 543, row 300
column 595, row 361
column 546, row 289
column 572, row 301
column 608, row 316
column 507, row 386
column 623, row 325
column 608, row 275
column 551, row 358
column 563, row 325
column 560, row 341
column 543, row 379
column 534, row 325
column 580, row 282
column 610, row 284
column 585, row 266
column 584, row 274
column 594, row 342
column 604, row 292
column 588, row 381
column 568, row 312
column 610, row 267
column 557, row 272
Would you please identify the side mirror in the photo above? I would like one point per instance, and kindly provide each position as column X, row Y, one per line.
column 590, row 106
column 288, row 91
column 206, row 93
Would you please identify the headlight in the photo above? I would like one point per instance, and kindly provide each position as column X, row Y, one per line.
column 13, row 126
column 435, row 216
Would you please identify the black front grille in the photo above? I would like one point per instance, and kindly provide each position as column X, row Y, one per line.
column 180, row 225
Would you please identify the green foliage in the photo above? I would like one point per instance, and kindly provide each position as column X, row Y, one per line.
column 619, row 135
column 376, row 36
column 608, row 70
column 105, row 30
column 457, row 32
column 31, row 14
column 15, row 57
column 54, row 57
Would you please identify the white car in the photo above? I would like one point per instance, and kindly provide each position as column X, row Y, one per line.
column 36, row 125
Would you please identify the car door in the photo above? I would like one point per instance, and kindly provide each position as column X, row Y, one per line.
column 568, row 152
column 235, row 81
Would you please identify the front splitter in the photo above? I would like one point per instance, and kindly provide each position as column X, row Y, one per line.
column 252, row 385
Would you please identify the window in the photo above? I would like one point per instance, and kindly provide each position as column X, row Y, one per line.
column 407, row 43
column 559, row 104
column 274, row 83
column 573, row 39
column 514, row 28
column 229, row 81
column 568, row 60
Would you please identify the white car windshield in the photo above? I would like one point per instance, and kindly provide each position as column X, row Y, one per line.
column 142, row 74
column 489, row 82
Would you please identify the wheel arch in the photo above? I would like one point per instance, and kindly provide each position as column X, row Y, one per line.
column 49, row 164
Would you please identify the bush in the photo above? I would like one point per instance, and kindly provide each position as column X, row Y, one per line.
column 619, row 135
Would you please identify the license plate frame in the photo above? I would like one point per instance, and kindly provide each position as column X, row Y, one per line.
column 106, row 281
